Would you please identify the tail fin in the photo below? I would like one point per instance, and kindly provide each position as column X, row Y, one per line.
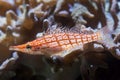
column 107, row 30
column 108, row 41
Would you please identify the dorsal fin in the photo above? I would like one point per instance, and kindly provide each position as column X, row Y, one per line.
column 59, row 29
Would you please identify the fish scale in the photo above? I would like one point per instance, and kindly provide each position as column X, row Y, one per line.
column 67, row 43
column 55, row 43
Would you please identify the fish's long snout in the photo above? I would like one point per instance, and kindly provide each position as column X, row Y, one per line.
column 12, row 48
column 16, row 48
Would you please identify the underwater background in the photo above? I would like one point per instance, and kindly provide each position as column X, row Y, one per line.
column 25, row 20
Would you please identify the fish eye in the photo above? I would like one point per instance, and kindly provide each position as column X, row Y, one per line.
column 28, row 47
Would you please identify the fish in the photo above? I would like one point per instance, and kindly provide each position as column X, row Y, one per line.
column 62, row 43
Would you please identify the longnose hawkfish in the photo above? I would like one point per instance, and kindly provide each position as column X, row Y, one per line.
column 61, row 43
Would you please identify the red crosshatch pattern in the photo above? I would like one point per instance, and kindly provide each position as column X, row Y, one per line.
column 58, row 42
column 62, row 40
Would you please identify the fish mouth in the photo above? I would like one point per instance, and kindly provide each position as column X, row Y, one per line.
column 23, row 50
column 19, row 49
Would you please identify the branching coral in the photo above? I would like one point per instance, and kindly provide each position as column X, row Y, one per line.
column 113, row 10
column 13, row 24
column 78, row 12
column 59, row 5
column 41, row 8
column 6, row 66
column 37, row 11
column 7, row 61
column 4, row 6
column 28, row 17
column 2, row 36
